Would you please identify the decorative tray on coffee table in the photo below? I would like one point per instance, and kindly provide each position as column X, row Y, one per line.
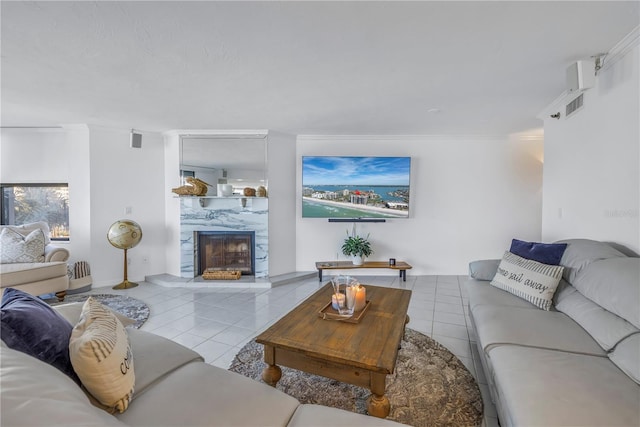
column 329, row 313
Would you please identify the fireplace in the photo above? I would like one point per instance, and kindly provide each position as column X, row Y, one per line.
column 225, row 250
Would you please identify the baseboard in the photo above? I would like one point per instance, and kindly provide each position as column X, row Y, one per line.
column 284, row 279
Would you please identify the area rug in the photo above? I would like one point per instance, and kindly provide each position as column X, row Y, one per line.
column 430, row 387
column 127, row 306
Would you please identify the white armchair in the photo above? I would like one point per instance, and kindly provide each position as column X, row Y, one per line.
column 36, row 278
column 53, row 253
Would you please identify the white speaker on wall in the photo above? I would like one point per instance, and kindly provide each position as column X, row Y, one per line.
column 581, row 75
column 136, row 140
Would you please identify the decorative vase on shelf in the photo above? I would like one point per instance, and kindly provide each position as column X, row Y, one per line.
column 193, row 187
column 357, row 260
column 225, row 190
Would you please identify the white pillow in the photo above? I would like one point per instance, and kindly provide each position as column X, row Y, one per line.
column 528, row 279
column 101, row 356
column 14, row 247
column 25, row 229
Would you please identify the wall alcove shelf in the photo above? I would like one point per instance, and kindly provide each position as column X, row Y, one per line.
column 219, row 197
column 225, row 202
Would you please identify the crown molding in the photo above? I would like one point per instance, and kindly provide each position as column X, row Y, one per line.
column 404, row 138
column 217, row 133
column 32, row 129
column 623, row 47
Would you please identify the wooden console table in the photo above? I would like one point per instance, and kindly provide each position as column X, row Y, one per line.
column 343, row 265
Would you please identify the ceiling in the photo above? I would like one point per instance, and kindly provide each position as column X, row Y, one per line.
column 430, row 67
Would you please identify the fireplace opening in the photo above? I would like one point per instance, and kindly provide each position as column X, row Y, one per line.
column 225, row 250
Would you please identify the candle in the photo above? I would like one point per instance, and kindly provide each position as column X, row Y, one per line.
column 361, row 298
column 337, row 300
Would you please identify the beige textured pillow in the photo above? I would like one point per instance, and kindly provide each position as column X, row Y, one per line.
column 15, row 248
column 528, row 279
column 25, row 229
column 101, row 356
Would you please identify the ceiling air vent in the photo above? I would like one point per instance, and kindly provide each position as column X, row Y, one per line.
column 574, row 105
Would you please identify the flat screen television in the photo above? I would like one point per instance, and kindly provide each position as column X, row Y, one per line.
column 355, row 187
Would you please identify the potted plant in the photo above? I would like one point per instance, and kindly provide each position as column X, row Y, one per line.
column 357, row 247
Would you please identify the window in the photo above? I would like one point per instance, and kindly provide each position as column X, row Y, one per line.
column 24, row 203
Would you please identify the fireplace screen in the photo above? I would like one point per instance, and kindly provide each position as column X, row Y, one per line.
column 226, row 250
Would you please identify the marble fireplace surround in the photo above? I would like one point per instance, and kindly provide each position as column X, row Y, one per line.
column 223, row 214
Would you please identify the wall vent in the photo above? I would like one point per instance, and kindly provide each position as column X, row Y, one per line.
column 574, row 105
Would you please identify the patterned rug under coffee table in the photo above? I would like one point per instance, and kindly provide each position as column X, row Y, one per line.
column 131, row 307
column 430, row 387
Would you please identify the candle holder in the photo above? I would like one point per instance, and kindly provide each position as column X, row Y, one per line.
column 361, row 298
column 328, row 313
column 344, row 294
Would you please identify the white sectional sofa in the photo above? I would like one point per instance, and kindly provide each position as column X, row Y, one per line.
column 577, row 364
column 173, row 387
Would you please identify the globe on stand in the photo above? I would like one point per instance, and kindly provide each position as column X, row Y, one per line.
column 124, row 234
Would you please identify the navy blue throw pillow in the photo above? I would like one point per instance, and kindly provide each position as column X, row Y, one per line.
column 31, row 326
column 546, row 253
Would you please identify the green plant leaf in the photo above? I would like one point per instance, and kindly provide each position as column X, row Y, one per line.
column 356, row 245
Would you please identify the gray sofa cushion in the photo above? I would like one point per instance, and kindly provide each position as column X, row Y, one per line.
column 316, row 415
column 155, row 356
column 198, row 394
column 604, row 326
column 483, row 269
column 582, row 252
column 36, row 394
column 626, row 356
column 613, row 284
column 552, row 388
column 498, row 326
column 482, row 293
column 564, row 290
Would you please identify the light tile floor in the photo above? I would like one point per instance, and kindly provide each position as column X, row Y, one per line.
column 218, row 322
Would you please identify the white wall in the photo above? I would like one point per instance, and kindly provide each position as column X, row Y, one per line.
column 172, row 203
column 469, row 197
column 126, row 177
column 78, row 153
column 49, row 156
column 591, row 169
column 281, row 176
column 34, row 155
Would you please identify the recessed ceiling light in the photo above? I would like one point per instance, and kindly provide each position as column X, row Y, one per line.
column 434, row 110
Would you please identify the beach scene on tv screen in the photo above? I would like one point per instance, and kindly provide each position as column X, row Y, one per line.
column 355, row 187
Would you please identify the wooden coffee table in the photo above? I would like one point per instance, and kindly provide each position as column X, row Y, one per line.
column 362, row 354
